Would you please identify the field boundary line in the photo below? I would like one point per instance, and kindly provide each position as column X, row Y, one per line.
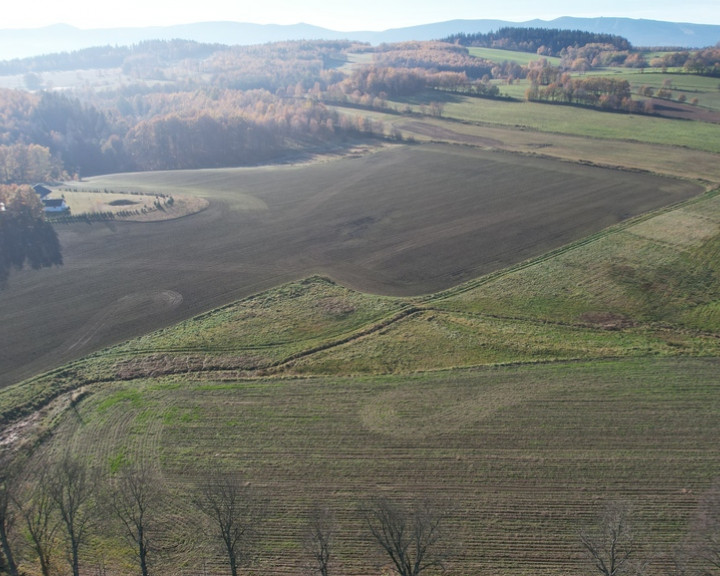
column 407, row 311
column 611, row 230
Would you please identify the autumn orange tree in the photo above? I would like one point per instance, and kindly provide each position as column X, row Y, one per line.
column 26, row 238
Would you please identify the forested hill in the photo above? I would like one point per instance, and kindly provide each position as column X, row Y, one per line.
column 155, row 52
column 549, row 42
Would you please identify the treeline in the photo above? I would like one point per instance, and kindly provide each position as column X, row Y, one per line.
column 551, row 84
column 276, row 66
column 227, row 129
column 68, row 509
column 703, row 62
column 67, row 512
column 28, row 163
column 432, row 56
column 237, row 106
column 51, row 133
column 26, row 239
column 544, row 41
column 104, row 57
column 605, row 93
column 54, row 134
column 590, row 56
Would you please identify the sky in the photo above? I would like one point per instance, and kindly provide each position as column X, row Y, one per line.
column 342, row 15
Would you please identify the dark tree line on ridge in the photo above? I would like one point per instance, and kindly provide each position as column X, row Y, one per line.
column 544, row 41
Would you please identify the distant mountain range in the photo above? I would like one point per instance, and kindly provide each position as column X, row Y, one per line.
column 64, row 38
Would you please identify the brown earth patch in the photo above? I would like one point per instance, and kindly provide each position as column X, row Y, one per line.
column 335, row 306
column 164, row 364
column 607, row 320
column 671, row 109
column 445, row 134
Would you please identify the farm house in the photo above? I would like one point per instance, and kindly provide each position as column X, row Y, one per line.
column 55, row 205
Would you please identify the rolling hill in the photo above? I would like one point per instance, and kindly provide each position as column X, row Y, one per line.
column 61, row 37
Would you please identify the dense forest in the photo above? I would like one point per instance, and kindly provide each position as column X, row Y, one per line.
column 190, row 106
column 544, row 41
column 232, row 107
column 182, row 104
column 104, row 57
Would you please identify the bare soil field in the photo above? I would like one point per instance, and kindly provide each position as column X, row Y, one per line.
column 403, row 221
column 671, row 109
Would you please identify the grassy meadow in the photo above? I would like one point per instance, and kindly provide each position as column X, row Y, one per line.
column 521, row 58
column 519, row 322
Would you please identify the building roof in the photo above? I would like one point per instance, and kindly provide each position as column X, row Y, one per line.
column 41, row 190
column 53, row 203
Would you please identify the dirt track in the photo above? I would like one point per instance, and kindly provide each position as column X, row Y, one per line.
column 405, row 221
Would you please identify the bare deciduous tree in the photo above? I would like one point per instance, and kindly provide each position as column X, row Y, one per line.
column 703, row 542
column 134, row 495
column 318, row 539
column 8, row 515
column 611, row 544
column 40, row 523
column 71, row 491
column 234, row 515
column 409, row 535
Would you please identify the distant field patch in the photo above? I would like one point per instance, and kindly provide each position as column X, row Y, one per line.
column 500, row 56
column 131, row 206
column 587, row 123
column 123, row 202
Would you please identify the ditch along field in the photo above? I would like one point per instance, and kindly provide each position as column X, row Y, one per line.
column 521, row 402
column 404, row 220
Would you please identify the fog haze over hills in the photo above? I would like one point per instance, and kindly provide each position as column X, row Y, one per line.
column 20, row 43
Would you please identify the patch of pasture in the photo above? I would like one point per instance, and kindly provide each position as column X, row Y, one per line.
column 435, row 340
column 500, row 56
column 659, row 269
column 659, row 159
column 586, row 122
column 271, row 326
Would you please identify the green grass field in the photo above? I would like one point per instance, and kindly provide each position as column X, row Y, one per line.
column 588, row 123
column 500, row 56
column 705, row 89
column 524, row 455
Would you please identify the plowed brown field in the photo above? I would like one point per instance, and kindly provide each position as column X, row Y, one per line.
column 403, row 221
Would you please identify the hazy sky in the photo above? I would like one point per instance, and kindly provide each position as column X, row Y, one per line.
column 345, row 15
